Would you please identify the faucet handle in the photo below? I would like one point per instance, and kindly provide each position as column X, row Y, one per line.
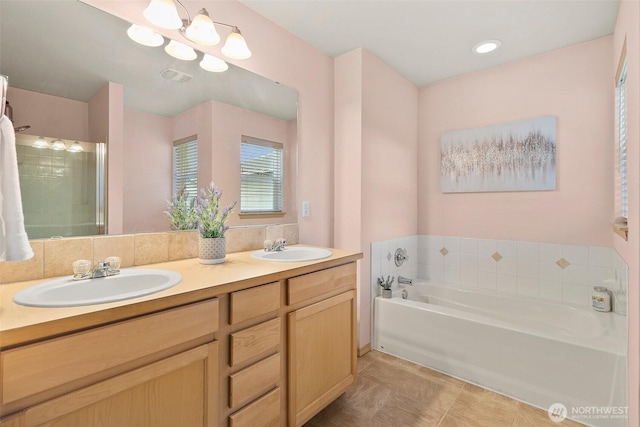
column 114, row 263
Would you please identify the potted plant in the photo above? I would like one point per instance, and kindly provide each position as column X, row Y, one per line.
column 211, row 220
column 181, row 211
column 386, row 285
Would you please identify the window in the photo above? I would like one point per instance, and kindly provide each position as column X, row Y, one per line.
column 622, row 205
column 185, row 166
column 260, row 176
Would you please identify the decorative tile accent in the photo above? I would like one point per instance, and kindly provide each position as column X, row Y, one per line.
column 562, row 263
column 496, row 256
column 444, row 251
column 389, row 256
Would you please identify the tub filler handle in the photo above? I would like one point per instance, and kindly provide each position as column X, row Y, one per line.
column 400, row 257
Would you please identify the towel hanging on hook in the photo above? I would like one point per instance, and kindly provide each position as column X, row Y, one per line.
column 4, row 85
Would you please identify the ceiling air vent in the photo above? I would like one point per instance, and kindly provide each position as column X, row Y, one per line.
column 175, row 75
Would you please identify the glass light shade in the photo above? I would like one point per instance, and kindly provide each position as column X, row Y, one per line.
column 213, row 64
column 180, row 51
column 41, row 143
column 202, row 31
column 236, row 47
column 487, row 46
column 163, row 13
column 58, row 145
column 76, row 147
column 145, row 36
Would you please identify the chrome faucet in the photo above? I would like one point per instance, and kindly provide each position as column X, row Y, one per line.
column 101, row 269
column 405, row 281
column 277, row 245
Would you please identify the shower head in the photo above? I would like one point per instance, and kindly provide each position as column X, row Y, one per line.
column 21, row 128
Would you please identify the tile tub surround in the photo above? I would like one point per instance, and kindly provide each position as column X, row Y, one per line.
column 53, row 257
column 553, row 272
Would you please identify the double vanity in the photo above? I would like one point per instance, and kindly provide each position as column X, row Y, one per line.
column 249, row 343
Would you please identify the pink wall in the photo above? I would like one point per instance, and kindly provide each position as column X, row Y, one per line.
column 106, row 117
column 147, row 171
column 556, row 83
column 628, row 26
column 376, row 169
column 50, row 116
column 220, row 128
column 197, row 121
column 280, row 56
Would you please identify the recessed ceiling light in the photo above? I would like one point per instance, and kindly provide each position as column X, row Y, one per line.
column 487, row 46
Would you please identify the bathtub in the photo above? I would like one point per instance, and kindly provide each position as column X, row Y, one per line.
column 534, row 351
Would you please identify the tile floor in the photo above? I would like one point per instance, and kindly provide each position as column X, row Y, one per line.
column 392, row 392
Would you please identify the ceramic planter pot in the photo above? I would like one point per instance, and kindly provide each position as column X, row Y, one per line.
column 212, row 251
column 386, row 293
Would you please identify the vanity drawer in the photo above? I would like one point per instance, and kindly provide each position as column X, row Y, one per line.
column 264, row 412
column 253, row 381
column 254, row 341
column 311, row 285
column 75, row 360
column 254, row 302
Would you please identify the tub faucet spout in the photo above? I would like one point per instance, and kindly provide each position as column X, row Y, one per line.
column 405, row 281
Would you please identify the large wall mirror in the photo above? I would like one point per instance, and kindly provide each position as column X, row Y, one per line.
column 75, row 75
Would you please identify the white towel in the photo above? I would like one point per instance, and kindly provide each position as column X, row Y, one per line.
column 14, row 243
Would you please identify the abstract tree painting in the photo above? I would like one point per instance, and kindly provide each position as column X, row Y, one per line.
column 517, row 156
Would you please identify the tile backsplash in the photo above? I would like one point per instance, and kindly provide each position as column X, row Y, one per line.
column 53, row 257
column 554, row 272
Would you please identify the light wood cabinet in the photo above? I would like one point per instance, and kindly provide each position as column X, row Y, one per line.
column 155, row 370
column 322, row 349
column 176, row 391
column 268, row 355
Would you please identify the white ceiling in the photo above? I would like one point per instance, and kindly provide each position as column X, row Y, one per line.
column 431, row 40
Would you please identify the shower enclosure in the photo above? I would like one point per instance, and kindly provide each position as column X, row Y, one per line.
column 63, row 186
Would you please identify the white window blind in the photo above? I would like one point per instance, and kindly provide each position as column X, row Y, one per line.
column 185, row 167
column 621, row 191
column 260, row 176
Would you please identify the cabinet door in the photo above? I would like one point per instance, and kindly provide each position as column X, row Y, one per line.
column 178, row 391
column 322, row 355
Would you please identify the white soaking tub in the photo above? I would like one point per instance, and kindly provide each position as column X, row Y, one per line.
column 535, row 351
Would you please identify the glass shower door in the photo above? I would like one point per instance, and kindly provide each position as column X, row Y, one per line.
column 63, row 191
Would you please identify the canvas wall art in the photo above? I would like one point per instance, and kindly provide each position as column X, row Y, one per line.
column 516, row 156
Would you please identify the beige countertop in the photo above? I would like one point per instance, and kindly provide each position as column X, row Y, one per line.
column 21, row 325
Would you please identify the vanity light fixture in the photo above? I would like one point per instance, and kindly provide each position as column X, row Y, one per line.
column 213, row 64
column 236, row 47
column 164, row 14
column 180, row 51
column 41, row 143
column 145, row 36
column 76, row 147
column 487, row 46
column 201, row 29
column 58, row 145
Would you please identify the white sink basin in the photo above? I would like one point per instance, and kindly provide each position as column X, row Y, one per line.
column 65, row 292
column 293, row 254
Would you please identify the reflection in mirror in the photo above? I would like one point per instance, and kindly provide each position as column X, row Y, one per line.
column 62, row 186
column 75, row 74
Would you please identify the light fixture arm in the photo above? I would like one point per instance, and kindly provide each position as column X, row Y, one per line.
column 188, row 15
column 226, row 25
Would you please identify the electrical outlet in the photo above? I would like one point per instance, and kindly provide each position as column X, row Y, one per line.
column 305, row 209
